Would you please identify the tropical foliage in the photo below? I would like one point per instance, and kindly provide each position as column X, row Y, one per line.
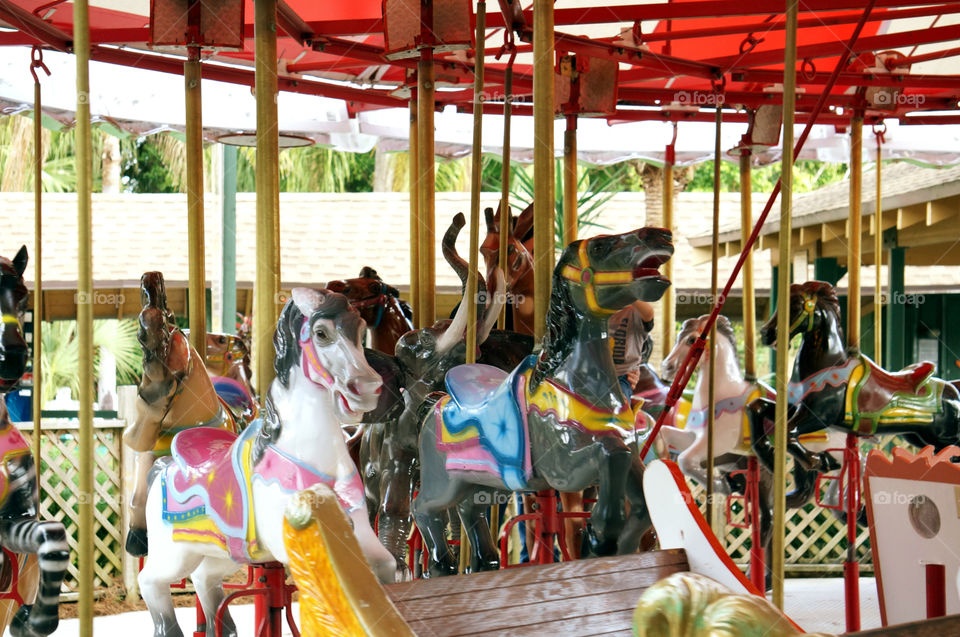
column 809, row 175
column 60, row 353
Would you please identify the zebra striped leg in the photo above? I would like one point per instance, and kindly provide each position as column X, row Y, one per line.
column 49, row 541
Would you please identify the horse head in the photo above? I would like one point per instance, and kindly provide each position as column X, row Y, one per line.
column 687, row 336
column 320, row 334
column 606, row 273
column 812, row 305
column 13, row 304
column 519, row 274
column 165, row 357
column 367, row 293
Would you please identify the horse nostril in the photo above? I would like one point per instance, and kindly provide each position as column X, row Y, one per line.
column 353, row 387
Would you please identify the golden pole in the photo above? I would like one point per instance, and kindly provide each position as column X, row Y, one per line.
column 505, row 181
column 668, row 300
column 37, row 273
column 712, row 343
column 414, row 214
column 267, row 176
column 426, row 186
column 476, row 176
column 81, row 43
column 749, row 302
column 783, row 303
column 853, row 235
column 570, row 219
column 195, row 237
column 878, row 261
column 543, row 169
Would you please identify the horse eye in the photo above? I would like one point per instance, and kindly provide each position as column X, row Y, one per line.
column 321, row 334
column 691, row 340
column 510, row 250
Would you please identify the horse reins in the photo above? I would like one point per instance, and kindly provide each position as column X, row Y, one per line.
column 381, row 303
column 809, row 307
column 589, row 278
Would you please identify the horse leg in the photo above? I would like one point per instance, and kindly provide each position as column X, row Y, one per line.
column 609, row 517
column 572, row 527
column 759, row 412
column 438, row 491
column 396, row 490
column 370, row 468
column 765, row 491
column 136, row 544
column 49, row 541
column 208, row 582
column 638, row 522
column 483, row 552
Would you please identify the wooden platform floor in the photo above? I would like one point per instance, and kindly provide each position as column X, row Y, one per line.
column 584, row 597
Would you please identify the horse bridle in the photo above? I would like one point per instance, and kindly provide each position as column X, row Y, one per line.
column 380, row 301
column 589, row 278
column 809, row 311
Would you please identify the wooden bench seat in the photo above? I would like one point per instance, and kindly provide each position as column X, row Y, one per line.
column 583, row 597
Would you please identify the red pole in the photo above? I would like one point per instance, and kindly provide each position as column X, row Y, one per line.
column 758, row 568
column 851, row 568
column 936, row 590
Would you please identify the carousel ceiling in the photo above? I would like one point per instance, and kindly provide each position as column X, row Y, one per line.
column 669, row 61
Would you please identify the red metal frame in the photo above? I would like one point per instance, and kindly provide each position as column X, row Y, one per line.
column 750, row 501
column 13, row 593
column 273, row 598
column 549, row 528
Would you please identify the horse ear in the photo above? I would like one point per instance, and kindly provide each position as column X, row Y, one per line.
column 307, row 300
column 491, row 220
column 524, row 223
column 20, row 261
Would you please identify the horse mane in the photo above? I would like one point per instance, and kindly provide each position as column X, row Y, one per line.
column 562, row 322
column 825, row 294
column 725, row 329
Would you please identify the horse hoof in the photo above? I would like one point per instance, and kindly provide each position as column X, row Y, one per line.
column 136, row 542
column 828, row 463
column 736, row 483
column 25, row 626
column 443, row 569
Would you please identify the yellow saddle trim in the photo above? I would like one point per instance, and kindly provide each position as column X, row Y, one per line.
column 570, row 408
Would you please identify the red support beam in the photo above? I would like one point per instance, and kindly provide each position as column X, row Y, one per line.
column 663, row 63
column 292, row 24
column 34, row 27
column 764, row 76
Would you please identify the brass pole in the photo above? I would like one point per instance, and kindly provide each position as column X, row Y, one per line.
column 712, row 343
column 266, row 307
column 414, row 214
column 505, row 181
column 426, row 186
column 853, row 235
column 543, row 168
column 783, row 303
column 749, row 302
column 192, row 74
column 37, row 390
column 476, row 176
column 81, row 43
column 570, row 218
column 878, row 260
column 668, row 300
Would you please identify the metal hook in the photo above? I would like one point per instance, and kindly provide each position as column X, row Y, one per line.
column 36, row 61
column 880, row 133
column 809, row 69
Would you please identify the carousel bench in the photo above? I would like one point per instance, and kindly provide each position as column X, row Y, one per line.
column 939, row 627
column 569, row 598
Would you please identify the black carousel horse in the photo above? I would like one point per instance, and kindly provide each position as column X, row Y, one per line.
column 20, row 529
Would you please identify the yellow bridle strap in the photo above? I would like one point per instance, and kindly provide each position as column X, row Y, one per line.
column 11, row 319
column 589, row 277
column 809, row 307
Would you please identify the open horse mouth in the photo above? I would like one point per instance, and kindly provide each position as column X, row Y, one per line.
column 345, row 405
column 649, row 267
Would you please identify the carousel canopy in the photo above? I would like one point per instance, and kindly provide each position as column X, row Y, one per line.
column 653, row 63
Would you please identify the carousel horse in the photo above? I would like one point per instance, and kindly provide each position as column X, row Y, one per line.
column 388, row 318
column 558, row 421
column 174, row 394
column 21, row 531
column 839, row 387
column 228, row 363
column 219, row 500
column 519, row 274
column 389, row 448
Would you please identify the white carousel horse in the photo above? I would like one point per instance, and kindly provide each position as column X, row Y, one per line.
column 219, row 500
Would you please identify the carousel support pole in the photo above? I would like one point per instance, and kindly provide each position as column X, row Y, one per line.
column 878, row 256
column 854, row 228
column 851, row 567
column 668, row 330
column 543, row 169
column 81, row 42
column 194, row 134
column 414, row 213
column 712, row 346
column 36, row 393
column 228, row 306
column 426, row 187
column 783, row 302
column 268, row 198
column 896, row 306
column 570, row 219
column 505, row 172
column 476, row 176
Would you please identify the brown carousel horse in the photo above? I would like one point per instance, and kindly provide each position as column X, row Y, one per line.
column 388, row 318
column 21, row 532
column 519, row 272
column 174, row 394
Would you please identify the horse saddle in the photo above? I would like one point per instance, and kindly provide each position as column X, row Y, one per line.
column 483, row 398
column 880, row 386
column 910, row 395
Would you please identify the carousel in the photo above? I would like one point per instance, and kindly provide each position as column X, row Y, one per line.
column 384, row 487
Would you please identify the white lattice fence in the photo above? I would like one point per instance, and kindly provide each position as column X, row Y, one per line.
column 60, row 498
